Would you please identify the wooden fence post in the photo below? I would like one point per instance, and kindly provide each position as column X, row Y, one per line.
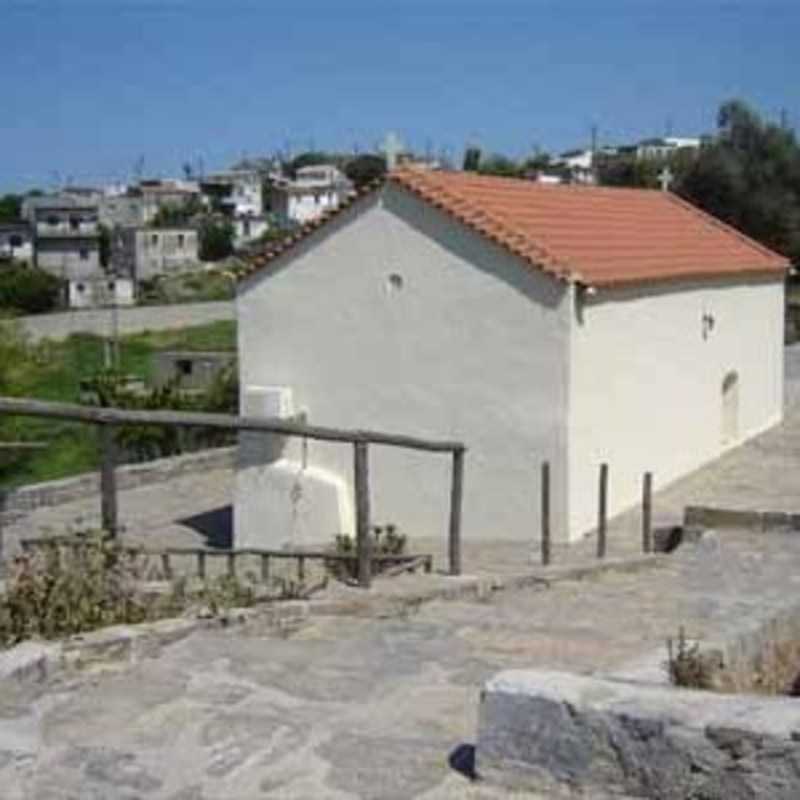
column 456, row 500
column 264, row 568
column 545, row 513
column 647, row 511
column 602, row 511
column 361, row 480
column 109, row 514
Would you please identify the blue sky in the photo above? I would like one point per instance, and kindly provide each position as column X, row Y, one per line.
column 93, row 85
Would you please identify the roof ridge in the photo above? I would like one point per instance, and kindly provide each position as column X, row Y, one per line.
column 724, row 226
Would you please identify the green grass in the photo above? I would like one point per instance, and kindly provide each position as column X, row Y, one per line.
column 53, row 371
column 190, row 287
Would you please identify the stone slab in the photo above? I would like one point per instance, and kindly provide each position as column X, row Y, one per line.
column 574, row 735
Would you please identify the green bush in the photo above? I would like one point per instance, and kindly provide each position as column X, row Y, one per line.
column 29, row 290
column 687, row 666
column 383, row 541
column 60, row 590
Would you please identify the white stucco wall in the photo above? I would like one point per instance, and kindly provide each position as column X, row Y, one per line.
column 471, row 347
column 646, row 386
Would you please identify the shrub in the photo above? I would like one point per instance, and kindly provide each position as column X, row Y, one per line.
column 384, row 541
column 687, row 666
column 58, row 591
column 29, row 290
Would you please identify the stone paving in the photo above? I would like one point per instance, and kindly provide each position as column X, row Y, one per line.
column 379, row 708
column 369, row 708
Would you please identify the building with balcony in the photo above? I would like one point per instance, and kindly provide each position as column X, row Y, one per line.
column 315, row 190
column 66, row 236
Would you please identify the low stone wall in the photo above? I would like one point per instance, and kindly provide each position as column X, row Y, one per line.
column 135, row 319
column 708, row 517
column 566, row 735
column 17, row 503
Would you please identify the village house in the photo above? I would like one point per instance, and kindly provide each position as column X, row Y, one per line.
column 146, row 253
column 665, row 146
column 16, row 241
column 66, row 235
column 239, row 190
column 577, row 325
column 314, row 190
column 156, row 194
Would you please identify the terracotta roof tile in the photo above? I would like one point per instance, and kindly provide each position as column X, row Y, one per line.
column 594, row 235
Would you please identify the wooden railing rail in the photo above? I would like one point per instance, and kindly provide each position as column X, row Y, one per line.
column 109, row 418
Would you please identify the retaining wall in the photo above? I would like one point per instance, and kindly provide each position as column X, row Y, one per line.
column 19, row 502
column 568, row 735
column 130, row 320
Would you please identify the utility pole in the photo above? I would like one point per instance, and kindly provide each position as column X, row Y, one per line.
column 594, row 144
column 784, row 117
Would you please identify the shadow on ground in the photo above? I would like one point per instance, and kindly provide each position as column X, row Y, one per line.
column 462, row 760
column 216, row 526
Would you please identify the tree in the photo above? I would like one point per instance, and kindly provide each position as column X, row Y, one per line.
column 498, row 164
column 27, row 290
column 364, row 169
column 628, row 170
column 472, row 159
column 749, row 176
column 10, row 207
column 309, row 159
column 216, row 240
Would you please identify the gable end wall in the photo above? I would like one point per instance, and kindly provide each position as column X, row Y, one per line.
column 472, row 346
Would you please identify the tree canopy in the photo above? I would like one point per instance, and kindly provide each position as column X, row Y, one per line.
column 10, row 207
column 365, row 168
column 749, row 176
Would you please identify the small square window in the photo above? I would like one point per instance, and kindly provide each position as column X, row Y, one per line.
column 181, row 239
column 15, row 240
column 84, row 254
column 74, row 223
column 154, row 238
column 183, row 366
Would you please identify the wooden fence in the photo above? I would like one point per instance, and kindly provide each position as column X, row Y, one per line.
column 110, row 418
column 602, row 513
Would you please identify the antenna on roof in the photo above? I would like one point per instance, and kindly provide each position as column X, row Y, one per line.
column 594, row 142
column 784, row 117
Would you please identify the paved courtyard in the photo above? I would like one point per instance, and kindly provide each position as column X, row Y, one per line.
column 367, row 708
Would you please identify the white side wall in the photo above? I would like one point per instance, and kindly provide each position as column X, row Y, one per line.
column 646, row 384
column 470, row 347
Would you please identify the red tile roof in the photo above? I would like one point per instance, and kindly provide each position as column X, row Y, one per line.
column 593, row 235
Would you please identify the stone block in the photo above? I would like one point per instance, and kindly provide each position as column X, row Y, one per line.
column 566, row 735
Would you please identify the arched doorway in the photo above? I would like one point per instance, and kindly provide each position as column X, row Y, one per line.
column 730, row 408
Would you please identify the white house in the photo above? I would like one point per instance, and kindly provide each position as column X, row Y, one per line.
column 243, row 191
column 663, row 147
column 16, row 241
column 315, row 190
column 573, row 324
